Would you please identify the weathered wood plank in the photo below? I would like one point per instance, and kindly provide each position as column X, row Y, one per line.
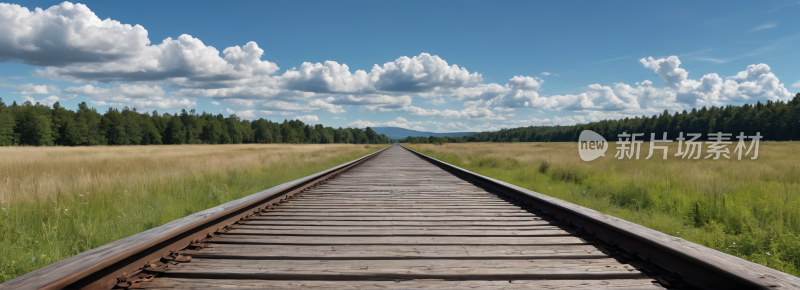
column 618, row 284
column 249, row 225
column 396, row 218
column 396, row 210
column 394, row 240
column 394, row 214
column 245, row 230
column 384, row 223
column 239, row 251
column 408, row 269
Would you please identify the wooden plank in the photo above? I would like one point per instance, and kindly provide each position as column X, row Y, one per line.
column 384, row 223
column 398, row 240
column 245, row 230
column 238, row 251
column 394, row 214
column 457, row 269
column 617, row 284
column 249, row 225
column 312, row 202
column 396, row 210
column 390, row 206
column 395, row 218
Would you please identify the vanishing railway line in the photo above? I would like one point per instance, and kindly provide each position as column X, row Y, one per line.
column 399, row 219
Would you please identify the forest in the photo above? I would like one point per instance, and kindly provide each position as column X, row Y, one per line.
column 774, row 120
column 41, row 125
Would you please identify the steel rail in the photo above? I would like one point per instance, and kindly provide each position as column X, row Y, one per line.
column 700, row 266
column 106, row 266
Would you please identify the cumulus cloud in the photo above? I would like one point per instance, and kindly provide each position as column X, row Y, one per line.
column 141, row 96
column 185, row 61
column 240, row 102
column 796, row 84
column 469, row 113
column 312, row 105
column 755, row 82
column 308, row 119
column 420, row 73
column 48, row 101
column 76, row 45
column 215, row 103
column 31, row 89
column 401, row 122
column 121, row 91
column 247, row 114
column 65, row 34
column 373, row 102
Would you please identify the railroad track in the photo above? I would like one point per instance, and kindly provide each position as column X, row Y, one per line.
column 399, row 219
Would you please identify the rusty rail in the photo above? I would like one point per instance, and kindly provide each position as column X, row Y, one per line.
column 109, row 265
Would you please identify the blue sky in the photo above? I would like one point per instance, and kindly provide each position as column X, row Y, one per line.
column 426, row 65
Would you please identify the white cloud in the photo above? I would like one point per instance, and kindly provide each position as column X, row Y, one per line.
column 308, row 119
column 469, row 113
column 215, row 103
column 48, row 101
column 31, row 89
column 755, row 82
column 65, row 34
column 796, row 84
column 140, row 96
column 399, row 122
column 76, row 45
column 420, row 73
column 545, row 73
column 240, row 102
column 322, row 105
column 767, row 25
column 373, row 102
column 337, row 118
column 118, row 92
column 184, row 61
column 312, row 105
column 437, row 101
column 247, row 114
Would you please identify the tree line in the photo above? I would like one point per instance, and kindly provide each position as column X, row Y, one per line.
column 41, row 125
column 774, row 120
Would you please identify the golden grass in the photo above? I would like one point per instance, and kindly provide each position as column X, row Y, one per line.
column 748, row 208
column 30, row 173
column 56, row 202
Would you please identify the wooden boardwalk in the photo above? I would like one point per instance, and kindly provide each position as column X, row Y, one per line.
column 398, row 221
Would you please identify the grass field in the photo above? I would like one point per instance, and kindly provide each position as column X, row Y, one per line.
column 747, row 208
column 56, row 202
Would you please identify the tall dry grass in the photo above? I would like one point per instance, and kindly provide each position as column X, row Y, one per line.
column 56, row 202
column 748, row 208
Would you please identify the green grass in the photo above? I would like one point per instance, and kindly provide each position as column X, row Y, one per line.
column 750, row 210
column 40, row 230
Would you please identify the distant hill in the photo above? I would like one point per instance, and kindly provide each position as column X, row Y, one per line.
column 400, row 133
